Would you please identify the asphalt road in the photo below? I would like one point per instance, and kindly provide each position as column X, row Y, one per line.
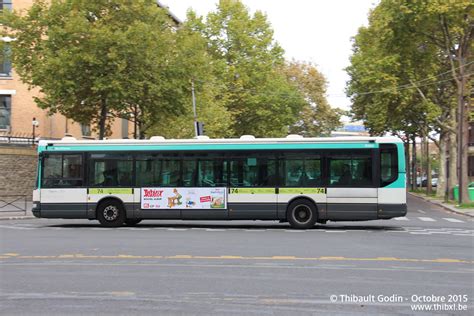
column 57, row 267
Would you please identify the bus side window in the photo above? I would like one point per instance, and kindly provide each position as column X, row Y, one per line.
column 388, row 164
column 62, row 170
column 302, row 172
column 110, row 170
column 350, row 169
column 170, row 175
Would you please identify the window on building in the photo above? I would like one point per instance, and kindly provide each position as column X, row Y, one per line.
column 5, row 62
column 5, row 4
column 470, row 166
column 86, row 130
column 5, row 111
column 471, row 134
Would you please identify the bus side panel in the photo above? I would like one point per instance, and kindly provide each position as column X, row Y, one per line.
column 351, row 204
column 252, row 206
column 64, row 203
column 392, row 202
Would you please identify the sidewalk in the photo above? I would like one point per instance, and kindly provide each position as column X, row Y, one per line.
column 11, row 213
column 449, row 207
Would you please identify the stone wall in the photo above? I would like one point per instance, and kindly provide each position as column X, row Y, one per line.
column 17, row 170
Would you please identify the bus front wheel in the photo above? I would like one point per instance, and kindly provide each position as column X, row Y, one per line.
column 111, row 213
column 301, row 214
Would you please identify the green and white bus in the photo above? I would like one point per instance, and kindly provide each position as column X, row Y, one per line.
column 298, row 180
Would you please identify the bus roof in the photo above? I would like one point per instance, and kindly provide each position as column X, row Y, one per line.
column 70, row 143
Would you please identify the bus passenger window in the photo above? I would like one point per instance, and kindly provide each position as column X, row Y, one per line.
column 302, row 172
column 146, row 171
column 110, row 170
column 171, row 173
column 351, row 169
column 388, row 164
column 189, row 173
column 62, row 171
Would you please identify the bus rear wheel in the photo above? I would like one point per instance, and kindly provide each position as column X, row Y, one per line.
column 301, row 214
column 111, row 213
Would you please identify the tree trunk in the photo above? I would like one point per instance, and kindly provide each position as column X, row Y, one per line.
column 102, row 118
column 441, row 188
column 453, row 158
column 463, row 122
column 413, row 163
column 422, row 163
column 428, row 167
column 135, row 122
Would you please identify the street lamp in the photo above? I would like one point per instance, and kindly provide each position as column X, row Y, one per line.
column 35, row 124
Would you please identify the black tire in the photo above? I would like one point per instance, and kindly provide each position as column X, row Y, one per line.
column 132, row 221
column 302, row 214
column 111, row 213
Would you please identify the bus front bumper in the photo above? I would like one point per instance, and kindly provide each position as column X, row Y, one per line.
column 387, row 211
column 36, row 209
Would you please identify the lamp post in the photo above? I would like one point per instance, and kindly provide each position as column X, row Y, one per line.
column 35, row 124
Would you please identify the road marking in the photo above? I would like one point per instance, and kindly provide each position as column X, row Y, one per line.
column 420, row 233
column 232, row 257
column 453, row 220
column 427, row 219
column 239, row 266
column 401, row 219
column 422, row 212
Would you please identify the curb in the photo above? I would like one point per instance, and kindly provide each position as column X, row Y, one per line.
column 444, row 206
column 16, row 217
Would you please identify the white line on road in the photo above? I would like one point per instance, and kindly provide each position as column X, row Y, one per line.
column 401, row 219
column 420, row 233
column 453, row 220
column 427, row 219
column 422, row 212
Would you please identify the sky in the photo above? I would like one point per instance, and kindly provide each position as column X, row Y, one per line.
column 317, row 31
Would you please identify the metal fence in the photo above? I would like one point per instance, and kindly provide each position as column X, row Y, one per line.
column 13, row 204
column 18, row 139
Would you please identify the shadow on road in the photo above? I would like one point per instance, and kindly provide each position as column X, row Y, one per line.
column 231, row 226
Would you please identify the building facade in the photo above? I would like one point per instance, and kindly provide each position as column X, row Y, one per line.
column 18, row 110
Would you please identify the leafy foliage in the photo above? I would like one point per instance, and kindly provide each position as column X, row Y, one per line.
column 256, row 93
column 96, row 59
column 316, row 117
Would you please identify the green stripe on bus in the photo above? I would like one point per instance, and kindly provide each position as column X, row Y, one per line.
column 210, row 147
column 252, row 191
column 111, row 191
column 302, row 191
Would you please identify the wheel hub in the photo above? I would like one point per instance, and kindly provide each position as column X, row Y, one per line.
column 111, row 213
column 302, row 214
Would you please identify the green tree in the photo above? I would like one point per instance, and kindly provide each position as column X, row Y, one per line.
column 399, row 79
column 316, row 118
column 448, row 26
column 191, row 55
column 248, row 62
column 93, row 60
